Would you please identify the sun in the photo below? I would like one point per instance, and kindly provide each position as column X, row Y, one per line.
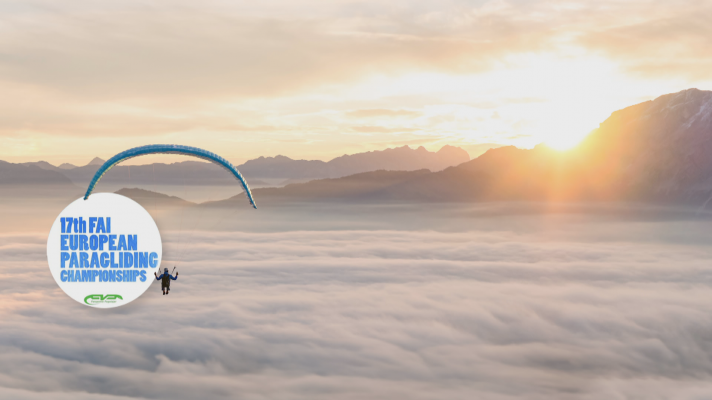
column 564, row 141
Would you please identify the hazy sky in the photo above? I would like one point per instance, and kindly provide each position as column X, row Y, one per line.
column 317, row 79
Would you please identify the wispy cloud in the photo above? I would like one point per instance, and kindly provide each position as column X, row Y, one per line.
column 371, row 113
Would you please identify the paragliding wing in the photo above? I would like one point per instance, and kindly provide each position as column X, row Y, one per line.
column 169, row 149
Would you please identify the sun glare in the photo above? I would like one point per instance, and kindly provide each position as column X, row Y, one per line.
column 564, row 142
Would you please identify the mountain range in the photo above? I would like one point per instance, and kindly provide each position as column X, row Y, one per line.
column 656, row 151
column 397, row 159
column 279, row 168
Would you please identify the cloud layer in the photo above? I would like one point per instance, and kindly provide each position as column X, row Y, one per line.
column 558, row 310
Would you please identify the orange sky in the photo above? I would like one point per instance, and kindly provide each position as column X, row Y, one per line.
column 318, row 79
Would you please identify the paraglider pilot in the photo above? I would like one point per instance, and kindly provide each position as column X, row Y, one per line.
column 165, row 279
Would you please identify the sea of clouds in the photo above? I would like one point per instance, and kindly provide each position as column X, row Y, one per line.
column 566, row 307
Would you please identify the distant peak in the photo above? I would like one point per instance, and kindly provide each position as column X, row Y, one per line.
column 448, row 147
column 453, row 151
column 96, row 161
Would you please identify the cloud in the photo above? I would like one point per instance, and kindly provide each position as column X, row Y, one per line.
column 245, row 78
column 153, row 56
column 379, row 129
column 144, row 53
column 527, row 306
column 377, row 112
column 669, row 43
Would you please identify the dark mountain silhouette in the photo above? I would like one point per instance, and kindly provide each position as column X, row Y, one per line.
column 660, row 148
column 41, row 164
column 357, row 186
column 657, row 151
column 281, row 167
column 18, row 180
column 97, row 161
column 93, row 164
column 149, row 199
column 398, row 159
column 30, row 174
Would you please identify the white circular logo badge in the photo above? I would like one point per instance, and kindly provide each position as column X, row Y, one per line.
column 103, row 251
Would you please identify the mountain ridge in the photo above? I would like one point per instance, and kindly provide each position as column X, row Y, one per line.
column 279, row 168
column 656, row 151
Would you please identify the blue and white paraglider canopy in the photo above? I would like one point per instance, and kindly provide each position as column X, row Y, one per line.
column 169, row 149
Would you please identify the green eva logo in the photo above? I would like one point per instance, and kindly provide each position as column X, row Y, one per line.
column 94, row 299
